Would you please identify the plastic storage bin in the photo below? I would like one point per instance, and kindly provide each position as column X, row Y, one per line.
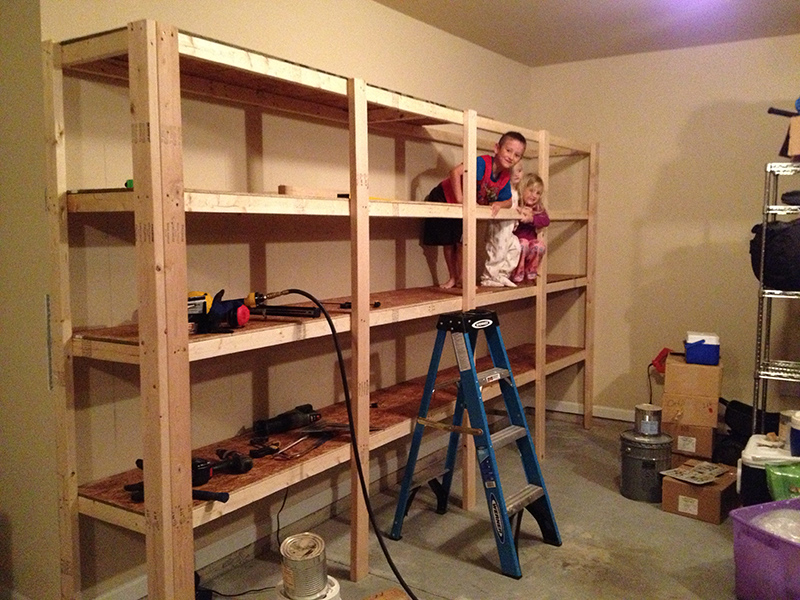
column 702, row 348
column 766, row 563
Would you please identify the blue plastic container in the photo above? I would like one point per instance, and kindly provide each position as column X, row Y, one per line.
column 702, row 348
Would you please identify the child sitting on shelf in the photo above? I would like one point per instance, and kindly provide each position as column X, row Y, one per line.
column 492, row 174
column 502, row 246
column 533, row 218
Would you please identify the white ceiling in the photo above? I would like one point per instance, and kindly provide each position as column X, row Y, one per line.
column 543, row 32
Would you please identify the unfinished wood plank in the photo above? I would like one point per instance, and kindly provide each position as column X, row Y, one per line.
column 376, row 95
column 469, row 276
column 591, row 267
column 239, row 58
column 359, row 323
column 95, row 47
column 163, row 334
column 60, row 326
column 540, row 334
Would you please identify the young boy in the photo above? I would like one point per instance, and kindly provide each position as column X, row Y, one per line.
column 492, row 174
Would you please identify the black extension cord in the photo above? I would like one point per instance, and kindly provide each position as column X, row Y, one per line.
column 356, row 456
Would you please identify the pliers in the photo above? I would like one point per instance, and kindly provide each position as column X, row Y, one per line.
column 263, row 447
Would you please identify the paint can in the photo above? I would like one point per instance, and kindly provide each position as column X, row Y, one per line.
column 643, row 459
column 647, row 419
column 304, row 569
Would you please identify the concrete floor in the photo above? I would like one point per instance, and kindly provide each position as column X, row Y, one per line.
column 612, row 547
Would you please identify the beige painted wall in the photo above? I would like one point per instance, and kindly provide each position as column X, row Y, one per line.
column 28, row 485
column 665, row 222
column 684, row 138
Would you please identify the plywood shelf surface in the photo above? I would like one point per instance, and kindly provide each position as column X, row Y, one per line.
column 121, row 343
column 394, row 414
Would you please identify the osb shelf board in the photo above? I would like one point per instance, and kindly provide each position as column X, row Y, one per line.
column 391, row 407
column 390, row 300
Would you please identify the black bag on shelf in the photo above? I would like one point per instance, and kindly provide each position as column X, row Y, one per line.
column 782, row 260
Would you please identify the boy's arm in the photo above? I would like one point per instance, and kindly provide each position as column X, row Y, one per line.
column 455, row 180
column 496, row 206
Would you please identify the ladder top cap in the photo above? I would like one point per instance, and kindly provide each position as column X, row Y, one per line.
column 468, row 320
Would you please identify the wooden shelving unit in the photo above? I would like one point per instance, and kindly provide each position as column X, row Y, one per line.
column 159, row 65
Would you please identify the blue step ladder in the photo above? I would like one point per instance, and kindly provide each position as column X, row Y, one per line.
column 503, row 508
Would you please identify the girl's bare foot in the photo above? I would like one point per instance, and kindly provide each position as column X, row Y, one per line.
column 448, row 284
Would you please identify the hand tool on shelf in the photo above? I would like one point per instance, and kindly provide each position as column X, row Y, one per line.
column 299, row 416
column 349, row 305
column 321, row 439
column 201, row 473
column 256, row 302
column 263, row 447
column 216, row 315
column 232, row 461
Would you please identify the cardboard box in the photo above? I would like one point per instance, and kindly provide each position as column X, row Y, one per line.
column 690, row 440
column 684, row 379
column 710, row 502
column 700, row 411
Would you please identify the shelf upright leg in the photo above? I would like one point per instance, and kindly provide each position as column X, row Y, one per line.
column 540, row 359
column 60, row 326
column 162, row 284
column 469, row 277
column 359, row 321
column 764, row 306
column 591, row 252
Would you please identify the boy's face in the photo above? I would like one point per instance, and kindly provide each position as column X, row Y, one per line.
column 509, row 153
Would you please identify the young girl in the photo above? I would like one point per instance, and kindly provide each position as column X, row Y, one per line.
column 533, row 218
column 502, row 246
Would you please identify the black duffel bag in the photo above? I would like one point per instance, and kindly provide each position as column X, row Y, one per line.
column 782, row 255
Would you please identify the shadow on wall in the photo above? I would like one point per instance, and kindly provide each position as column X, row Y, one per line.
column 690, row 266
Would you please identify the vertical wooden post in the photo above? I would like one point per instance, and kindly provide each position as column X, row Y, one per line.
column 540, row 364
column 591, row 250
column 60, row 325
column 469, row 278
column 254, row 142
column 163, row 333
column 359, row 320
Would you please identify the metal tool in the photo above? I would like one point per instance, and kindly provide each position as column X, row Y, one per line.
column 292, row 445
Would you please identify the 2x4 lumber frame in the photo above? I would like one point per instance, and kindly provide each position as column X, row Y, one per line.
column 593, row 193
column 469, row 274
column 540, row 384
column 60, row 326
column 163, row 335
column 359, row 323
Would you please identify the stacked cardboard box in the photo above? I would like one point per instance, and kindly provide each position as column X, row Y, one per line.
column 689, row 407
column 710, row 502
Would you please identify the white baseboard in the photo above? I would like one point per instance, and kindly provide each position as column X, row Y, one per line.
column 601, row 412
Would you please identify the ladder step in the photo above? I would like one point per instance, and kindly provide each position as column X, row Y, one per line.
column 492, row 375
column 519, row 500
column 507, row 435
column 484, row 378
